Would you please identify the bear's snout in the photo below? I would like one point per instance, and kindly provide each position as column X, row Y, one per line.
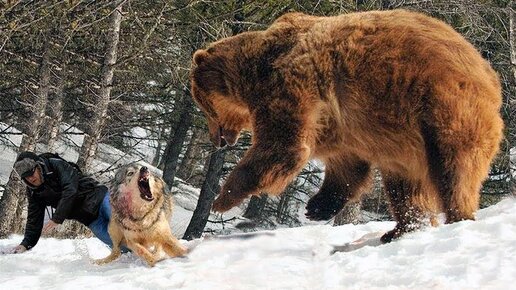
column 229, row 136
column 223, row 137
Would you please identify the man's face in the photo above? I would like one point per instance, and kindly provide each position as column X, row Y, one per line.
column 35, row 179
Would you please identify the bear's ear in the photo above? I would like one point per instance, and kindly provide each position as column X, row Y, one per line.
column 200, row 56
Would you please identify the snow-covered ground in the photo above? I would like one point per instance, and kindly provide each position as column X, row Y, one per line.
column 477, row 254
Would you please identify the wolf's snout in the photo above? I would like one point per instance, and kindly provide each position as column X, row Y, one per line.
column 144, row 169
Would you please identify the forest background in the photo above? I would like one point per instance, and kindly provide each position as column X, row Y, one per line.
column 116, row 73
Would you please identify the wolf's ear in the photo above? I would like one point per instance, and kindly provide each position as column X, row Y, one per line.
column 200, row 56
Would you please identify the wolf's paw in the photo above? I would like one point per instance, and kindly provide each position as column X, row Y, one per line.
column 323, row 206
column 179, row 251
column 102, row 261
column 113, row 256
column 151, row 261
column 183, row 251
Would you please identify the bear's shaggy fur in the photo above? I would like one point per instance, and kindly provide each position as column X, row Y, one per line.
column 396, row 90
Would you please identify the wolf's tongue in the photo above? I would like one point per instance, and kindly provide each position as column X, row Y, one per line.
column 145, row 192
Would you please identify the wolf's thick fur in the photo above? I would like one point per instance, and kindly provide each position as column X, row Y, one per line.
column 396, row 90
column 140, row 218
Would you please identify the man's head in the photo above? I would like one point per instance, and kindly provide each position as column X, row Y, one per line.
column 27, row 167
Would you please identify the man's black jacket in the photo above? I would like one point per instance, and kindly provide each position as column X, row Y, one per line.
column 64, row 188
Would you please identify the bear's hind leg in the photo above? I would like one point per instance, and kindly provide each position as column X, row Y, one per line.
column 459, row 187
column 459, row 193
column 343, row 181
column 458, row 168
column 402, row 194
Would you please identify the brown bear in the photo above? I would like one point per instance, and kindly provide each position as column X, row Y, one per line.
column 395, row 90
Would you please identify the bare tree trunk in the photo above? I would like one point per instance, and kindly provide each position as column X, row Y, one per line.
column 186, row 167
column 156, row 158
column 100, row 108
column 13, row 200
column 512, row 100
column 36, row 116
column 512, row 38
column 282, row 208
column 18, row 224
column 348, row 215
column 177, row 140
column 386, row 4
column 209, row 190
column 12, row 197
column 161, row 163
column 255, row 207
column 55, row 116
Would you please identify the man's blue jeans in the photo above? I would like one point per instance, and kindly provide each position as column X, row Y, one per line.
column 99, row 227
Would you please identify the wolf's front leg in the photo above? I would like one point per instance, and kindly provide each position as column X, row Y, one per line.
column 142, row 252
column 113, row 256
column 116, row 236
column 173, row 248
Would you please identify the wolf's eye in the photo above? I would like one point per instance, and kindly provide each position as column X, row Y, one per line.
column 130, row 173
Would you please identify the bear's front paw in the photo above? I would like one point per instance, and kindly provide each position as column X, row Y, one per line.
column 241, row 183
column 323, row 206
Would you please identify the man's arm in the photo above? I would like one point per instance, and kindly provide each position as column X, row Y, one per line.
column 35, row 218
column 69, row 180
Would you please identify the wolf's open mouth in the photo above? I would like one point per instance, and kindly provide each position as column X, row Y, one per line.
column 143, row 184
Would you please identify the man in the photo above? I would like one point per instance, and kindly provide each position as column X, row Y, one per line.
column 54, row 182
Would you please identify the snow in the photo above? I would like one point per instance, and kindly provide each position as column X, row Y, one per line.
column 463, row 255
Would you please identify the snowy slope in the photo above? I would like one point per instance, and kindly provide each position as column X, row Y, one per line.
column 467, row 255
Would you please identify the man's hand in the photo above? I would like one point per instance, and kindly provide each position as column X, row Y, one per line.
column 19, row 249
column 49, row 227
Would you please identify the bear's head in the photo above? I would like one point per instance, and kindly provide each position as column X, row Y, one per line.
column 231, row 75
column 216, row 90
